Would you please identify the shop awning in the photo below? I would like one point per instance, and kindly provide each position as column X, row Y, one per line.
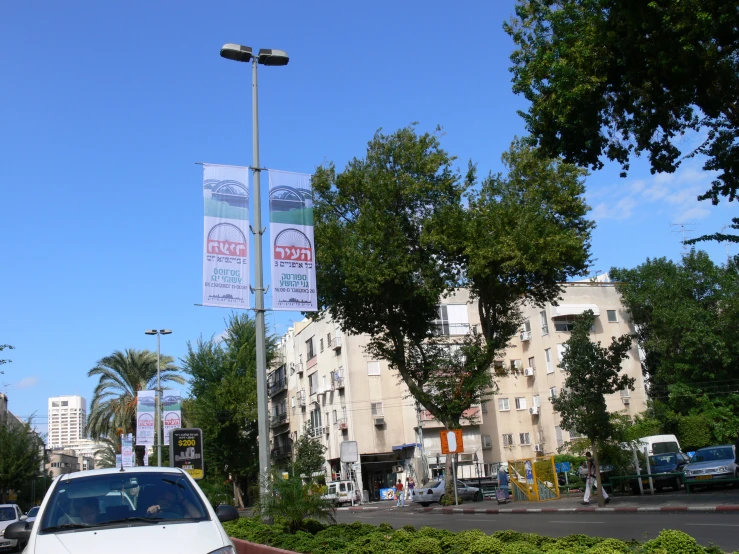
column 573, row 309
column 410, row 445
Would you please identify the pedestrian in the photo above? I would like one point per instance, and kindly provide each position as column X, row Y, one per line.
column 590, row 481
column 503, row 480
column 399, row 494
column 411, row 488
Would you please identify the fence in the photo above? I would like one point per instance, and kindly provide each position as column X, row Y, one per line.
column 533, row 479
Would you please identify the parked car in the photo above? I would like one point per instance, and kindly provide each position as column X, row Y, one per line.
column 659, row 444
column 31, row 515
column 342, row 492
column 169, row 512
column 663, row 463
column 434, row 490
column 712, row 464
column 9, row 513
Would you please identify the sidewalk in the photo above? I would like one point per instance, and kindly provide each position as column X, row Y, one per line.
column 720, row 501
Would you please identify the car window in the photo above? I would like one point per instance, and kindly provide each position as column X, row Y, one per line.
column 713, row 454
column 7, row 514
column 33, row 511
column 100, row 499
column 664, row 447
column 433, row 484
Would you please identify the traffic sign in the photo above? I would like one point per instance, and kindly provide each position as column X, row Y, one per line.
column 451, row 441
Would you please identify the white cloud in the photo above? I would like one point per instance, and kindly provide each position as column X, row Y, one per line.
column 692, row 214
column 27, row 383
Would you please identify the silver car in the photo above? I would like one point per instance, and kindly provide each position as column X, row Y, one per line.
column 434, row 490
column 712, row 464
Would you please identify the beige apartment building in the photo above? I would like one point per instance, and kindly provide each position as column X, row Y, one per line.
column 324, row 376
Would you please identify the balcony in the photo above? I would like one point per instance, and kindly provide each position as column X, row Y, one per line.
column 275, row 386
column 281, row 451
column 278, row 419
column 470, row 416
column 337, row 381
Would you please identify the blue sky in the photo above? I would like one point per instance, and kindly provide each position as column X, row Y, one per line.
column 105, row 108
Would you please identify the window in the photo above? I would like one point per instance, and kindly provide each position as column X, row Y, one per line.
column 553, row 392
column 452, row 320
column 548, row 357
column 527, row 326
column 328, row 339
column 487, row 441
column 321, row 344
column 524, row 439
column 532, row 363
column 561, row 349
column 376, row 409
column 484, row 407
column 315, row 421
column 566, row 323
column 373, row 368
column 520, row 403
column 503, row 405
column 313, row 382
column 65, row 403
column 625, row 393
column 612, row 317
column 537, row 401
column 544, row 323
column 507, row 439
column 558, row 436
column 55, row 403
column 309, row 348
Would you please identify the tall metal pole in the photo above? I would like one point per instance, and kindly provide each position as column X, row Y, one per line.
column 262, row 408
column 159, row 403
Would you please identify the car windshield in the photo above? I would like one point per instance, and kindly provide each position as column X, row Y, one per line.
column 6, row 514
column 663, row 447
column 714, row 454
column 433, row 484
column 32, row 512
column 109, row 498
column 663, row 460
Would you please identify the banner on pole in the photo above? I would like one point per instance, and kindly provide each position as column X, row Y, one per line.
column 145, row 417
column 171, row 412
column 291, row 239
column 226, row 236
column 127, row 455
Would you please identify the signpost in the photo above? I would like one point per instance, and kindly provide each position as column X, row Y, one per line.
column 350, row 455
column 452, row 443
column 186, row 451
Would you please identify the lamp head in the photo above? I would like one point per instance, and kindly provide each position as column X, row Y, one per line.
column 151, row 332
column 236, row 52
column 268, row 56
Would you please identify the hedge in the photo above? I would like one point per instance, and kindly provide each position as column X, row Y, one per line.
column 362, row 538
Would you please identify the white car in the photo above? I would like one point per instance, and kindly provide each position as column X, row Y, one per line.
column 157, row 508
column 433, row 491
column 31, row 515
column 9, row 514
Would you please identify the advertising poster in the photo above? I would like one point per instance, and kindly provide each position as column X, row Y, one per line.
column 145, row 417
column 226, row 236
column 291, row 239
column 127, row 455
column 118, row 460
column 186, row 451
column 171, row 412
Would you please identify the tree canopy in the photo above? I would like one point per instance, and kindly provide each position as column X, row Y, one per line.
column 687, row 320
column 400, row 229
column 21, row 456
column 309, row 453
column 610, row 78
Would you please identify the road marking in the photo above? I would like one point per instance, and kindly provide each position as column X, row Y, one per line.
column 578, row 522
column 711, row 525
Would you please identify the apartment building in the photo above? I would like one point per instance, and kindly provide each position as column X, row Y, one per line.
column 67, row 420
column 519, row 421
column 324, row 376
column 62, row 462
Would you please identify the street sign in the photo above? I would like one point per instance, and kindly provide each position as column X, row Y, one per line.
column 186, row 451
column 349, row 452
column 562, row 467
column 451, row 442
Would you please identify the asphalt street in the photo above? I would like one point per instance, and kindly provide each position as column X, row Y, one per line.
column 719, row 529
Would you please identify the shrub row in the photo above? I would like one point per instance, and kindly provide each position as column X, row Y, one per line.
column 361, row 538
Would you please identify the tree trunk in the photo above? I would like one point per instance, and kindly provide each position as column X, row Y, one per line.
column 599, row 493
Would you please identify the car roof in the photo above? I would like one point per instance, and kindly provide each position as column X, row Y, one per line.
column 111, row 470
column 8, row 505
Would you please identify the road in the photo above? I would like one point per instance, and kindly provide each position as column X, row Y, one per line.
column 719, row 529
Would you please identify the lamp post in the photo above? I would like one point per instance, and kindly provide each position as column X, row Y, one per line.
column 239, row 53
column 159, row 333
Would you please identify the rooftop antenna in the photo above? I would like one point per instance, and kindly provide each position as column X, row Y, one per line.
column 683, row 228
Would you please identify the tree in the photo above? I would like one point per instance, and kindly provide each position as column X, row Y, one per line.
column 687, row 320
column 223, row 401
column 614, row 78
column 22, row 455
column 122, row 375
column 309, row 453
column 3, row 347
column 592, row 372
column 105, row 457
column 400, row 229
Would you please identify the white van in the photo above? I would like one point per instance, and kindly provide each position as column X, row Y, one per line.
column 342, row 491
column 660, row 444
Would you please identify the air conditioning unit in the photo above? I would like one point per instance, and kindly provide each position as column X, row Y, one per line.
column 517, row 364
column 528, row 372
column 538, row 448
column 299, row 368
column 336, row 343
column 379, row 420
column 626, row 400
column 327, row 429
column 534, row 410
column 466, row 457
column 525, row 335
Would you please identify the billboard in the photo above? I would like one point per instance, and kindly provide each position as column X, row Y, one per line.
column 186, row 451
column 226, row 236
column 291, row 242
column 171, row 412
column 145, row 417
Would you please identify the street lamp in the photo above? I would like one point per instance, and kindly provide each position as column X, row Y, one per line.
column 269, row 57
column 159, row 333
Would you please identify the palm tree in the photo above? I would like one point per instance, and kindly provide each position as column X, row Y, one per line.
column 106, row 456
column 122, row 376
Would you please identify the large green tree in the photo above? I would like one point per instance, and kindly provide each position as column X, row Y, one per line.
column 592, row 372
column 687, row 320
column 223, row 401
column 21, row 455
column 309, row 453
column 121, row 376
column 612, row 78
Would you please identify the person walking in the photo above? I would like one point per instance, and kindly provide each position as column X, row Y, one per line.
column 503, row 480
column 399, row 494
column 411, row 488
column 591, row 480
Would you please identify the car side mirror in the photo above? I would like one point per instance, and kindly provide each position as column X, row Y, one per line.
column 225, row 513
column 24, row 517
column 20, row 530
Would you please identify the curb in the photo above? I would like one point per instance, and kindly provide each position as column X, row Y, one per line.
column 615, row 510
